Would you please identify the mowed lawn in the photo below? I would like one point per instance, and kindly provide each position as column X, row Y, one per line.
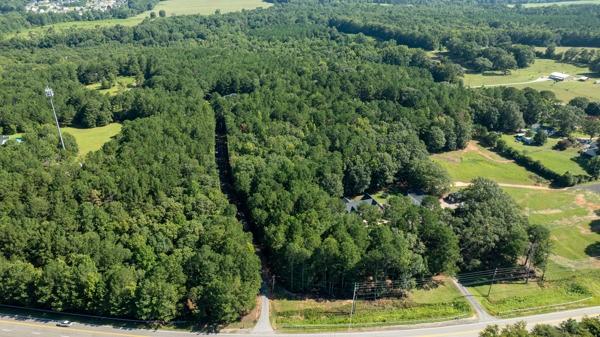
column 476, row 161
column 541, row 68
column 89, row 140
column 441, row 303
column 569, row 214
column 557, row 161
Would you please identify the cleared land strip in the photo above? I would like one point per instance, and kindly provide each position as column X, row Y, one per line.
column 530, row 187
column 537, row 80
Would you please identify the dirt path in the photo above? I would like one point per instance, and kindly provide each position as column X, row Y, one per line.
column 539, row 79
column 472, row 146
column 530, row 187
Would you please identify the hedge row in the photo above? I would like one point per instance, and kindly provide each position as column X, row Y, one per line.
column 536, row 166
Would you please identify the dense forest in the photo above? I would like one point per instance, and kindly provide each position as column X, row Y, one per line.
column 319, row 103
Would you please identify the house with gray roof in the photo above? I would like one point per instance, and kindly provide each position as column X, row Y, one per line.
column 353, row 204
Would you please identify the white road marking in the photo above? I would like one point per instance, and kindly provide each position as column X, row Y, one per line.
column 6, row 330
column 36, row 333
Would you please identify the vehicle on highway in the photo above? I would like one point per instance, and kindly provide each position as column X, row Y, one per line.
column 64, row 324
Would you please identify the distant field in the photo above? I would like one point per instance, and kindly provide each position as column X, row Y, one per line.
column 561, row 3
column 441, row 303
column 558, row 161
column 565, row 91
column 562, row 49
column 475, row 161
column 89, row 140
column 205, row 7
column 122, row 83
column 542, row 67
column 171, row 7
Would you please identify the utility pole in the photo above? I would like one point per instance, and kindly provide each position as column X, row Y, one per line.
column 50, row 94
column 353, row 305
column 493, row 280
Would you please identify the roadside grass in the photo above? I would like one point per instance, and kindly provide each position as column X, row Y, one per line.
column 562, row 289
column 89, row 140
column 465, row 165
column 441, row 303
column 171, row 7
column 122, row 83
column 557, row 161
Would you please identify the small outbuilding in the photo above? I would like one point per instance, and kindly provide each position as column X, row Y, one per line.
column 4, row 139
column 559, row 76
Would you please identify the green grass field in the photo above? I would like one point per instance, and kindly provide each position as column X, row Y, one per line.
column 563, row 289
column 476, row 161
column 441, row 303
column 557, row 161
column 89, row 140
column 171, row 7
column 542, row 67
column 569, row 214
column 121, row 84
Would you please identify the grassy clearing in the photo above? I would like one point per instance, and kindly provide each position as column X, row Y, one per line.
column 562, row 289
column 557, row 161
column 566, row 91
column 171, row 7
column 475, row 161
column 206, row 7
column 89, row 140
column 122, row 83
column 541, row 67
column 441, row 303
column 569, row 214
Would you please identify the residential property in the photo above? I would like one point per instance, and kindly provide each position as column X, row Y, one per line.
column 353, row 204
column 582, row 78
column 559, row 76
column 521, row 137
column 4, row 139
column 416, row 198
column 591, row 149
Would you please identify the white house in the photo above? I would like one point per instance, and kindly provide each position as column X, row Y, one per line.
column 559, row 76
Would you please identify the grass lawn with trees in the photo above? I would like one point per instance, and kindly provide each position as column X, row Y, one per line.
column 476, row 161
column 541, row 68
column 89, row 140
column 122, row 83
column 441, row 303
column 572, row 274
column 557, row 161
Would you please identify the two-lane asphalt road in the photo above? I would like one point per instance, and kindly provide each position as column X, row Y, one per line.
column 13, row 326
